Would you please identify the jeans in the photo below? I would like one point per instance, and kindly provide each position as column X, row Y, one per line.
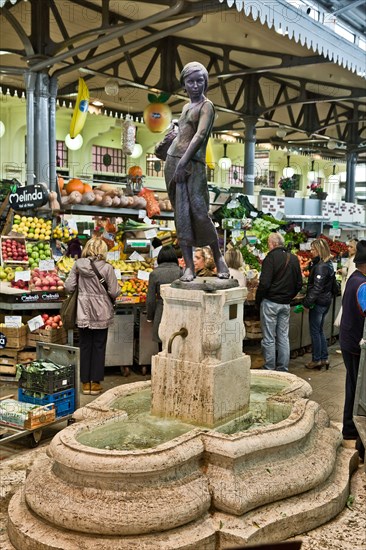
column 275, row 320
column 318, row 341
column 351, row 362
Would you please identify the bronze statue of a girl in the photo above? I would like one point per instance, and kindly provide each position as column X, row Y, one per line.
column 185, row 173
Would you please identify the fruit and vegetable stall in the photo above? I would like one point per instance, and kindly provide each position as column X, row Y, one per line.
column 33, row 265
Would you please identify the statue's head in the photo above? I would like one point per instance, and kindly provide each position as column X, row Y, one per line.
column 193, row 67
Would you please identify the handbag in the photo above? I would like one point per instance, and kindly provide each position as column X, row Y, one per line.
column 68, row 310
column 102, row 282
column 161, row 149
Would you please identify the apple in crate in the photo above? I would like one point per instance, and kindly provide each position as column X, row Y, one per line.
column 51, row 321
column 46, row 280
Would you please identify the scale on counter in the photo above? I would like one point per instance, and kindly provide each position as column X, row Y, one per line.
column 142, row 246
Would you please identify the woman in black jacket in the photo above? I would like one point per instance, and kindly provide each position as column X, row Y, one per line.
column 166, row 272
column 318, row 300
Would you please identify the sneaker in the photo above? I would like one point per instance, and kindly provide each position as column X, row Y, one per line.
column 85, row 388
column 96, row 388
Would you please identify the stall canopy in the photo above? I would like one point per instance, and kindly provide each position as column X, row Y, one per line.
column 268, row 60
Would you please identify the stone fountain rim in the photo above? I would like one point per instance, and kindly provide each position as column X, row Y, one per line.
column 296, row 387
column 66, row 450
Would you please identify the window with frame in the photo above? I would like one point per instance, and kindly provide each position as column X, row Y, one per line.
column 62, row 154
column 236, row 175
column 108, row 159
column 154, row 166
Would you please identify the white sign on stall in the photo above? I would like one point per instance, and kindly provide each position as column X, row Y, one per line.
column 35, row 323
column 46, row 265
column 143, row 275
column 136, row 257
column 14, row 321
column 22, row 275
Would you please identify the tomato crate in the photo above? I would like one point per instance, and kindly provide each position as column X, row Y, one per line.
column 64, row 401
column 47, row 381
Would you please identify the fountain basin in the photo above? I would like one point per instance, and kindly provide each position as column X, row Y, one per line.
column 171, row 495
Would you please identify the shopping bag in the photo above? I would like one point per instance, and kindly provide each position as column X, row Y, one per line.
column 68, row 311
column 161, row 149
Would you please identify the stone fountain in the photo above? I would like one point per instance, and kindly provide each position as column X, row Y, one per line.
column 225, row 475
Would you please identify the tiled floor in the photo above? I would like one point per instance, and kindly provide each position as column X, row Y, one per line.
column 328, row 390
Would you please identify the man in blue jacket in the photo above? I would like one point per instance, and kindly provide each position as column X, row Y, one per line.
column 350, row 336
column 279, row 282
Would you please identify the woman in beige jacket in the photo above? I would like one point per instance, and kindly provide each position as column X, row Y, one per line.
column 94, row 311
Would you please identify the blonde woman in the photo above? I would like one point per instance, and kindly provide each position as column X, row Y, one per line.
column 204, row 265
column 318, row 300
column 94, row 311
column 235, row 263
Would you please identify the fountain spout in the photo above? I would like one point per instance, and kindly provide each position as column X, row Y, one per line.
column 183, row 332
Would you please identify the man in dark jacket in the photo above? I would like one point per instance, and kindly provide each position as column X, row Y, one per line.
column 279, row 283
column 350, row 335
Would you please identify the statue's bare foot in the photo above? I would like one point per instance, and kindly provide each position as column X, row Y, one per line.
column 188, row 275
column 222, row 269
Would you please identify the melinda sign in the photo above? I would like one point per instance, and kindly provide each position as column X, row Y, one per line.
column 30, row 196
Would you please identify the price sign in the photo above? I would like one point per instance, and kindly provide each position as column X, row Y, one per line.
column 303, row 246
column 297, row 229
column 143, row 275
column 13, row 321
column 46, row 265
column 118, row 273
column 147, row 221
column 142, row 215
column 156, row 251
column 86, row 232
column 334, row 232
column 35, row 323
column 151, row 233
column 113, row 255
column 136, row 257
column 22, row 275
column 253, row 214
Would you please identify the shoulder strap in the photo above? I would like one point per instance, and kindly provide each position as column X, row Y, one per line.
column 101, row 280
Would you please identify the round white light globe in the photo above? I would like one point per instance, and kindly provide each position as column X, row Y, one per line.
column 74, row 144
column 136, row 151
column 225, row 163
column 111, row 87
column 288, row 172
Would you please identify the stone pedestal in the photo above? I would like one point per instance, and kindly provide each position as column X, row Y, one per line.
column 205, row 378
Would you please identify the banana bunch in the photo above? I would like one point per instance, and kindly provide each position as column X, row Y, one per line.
column 147, row 265
column 65, row 264
column 80, row 110
column 120, row 264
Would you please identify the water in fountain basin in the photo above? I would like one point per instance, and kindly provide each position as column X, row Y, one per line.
column 142, row 430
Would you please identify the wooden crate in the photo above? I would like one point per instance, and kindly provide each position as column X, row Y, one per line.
column 53, row 335
column 8, row 361
column 40, row 416
column 16, row 338
column 253, row 329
